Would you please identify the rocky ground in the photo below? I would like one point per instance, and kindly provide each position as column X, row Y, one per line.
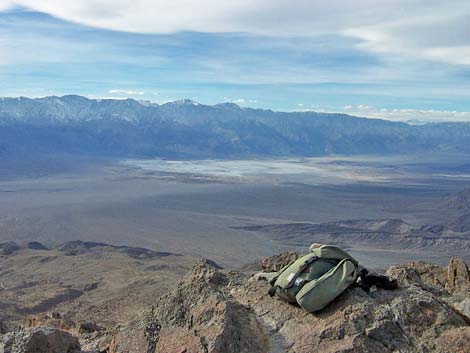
column 218, row 311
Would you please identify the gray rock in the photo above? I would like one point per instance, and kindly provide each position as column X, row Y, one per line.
column 39, row 340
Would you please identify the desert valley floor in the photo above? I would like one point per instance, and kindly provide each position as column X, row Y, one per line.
column 384, row 210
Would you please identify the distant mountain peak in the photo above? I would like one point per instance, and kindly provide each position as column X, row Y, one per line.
column 185, row 101
column 228, row 105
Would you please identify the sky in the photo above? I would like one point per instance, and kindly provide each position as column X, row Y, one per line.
column 404, row 60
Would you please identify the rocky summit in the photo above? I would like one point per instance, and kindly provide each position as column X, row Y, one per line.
column 218, row 311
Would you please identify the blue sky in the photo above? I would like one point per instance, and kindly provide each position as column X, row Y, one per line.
column 399, row 60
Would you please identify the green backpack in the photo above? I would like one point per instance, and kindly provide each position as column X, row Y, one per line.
column 317, row 278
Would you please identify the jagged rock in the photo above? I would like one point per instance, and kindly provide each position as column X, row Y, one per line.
column 93, row 337
column 39, row 340
column 214, row 311
column 451, row 283
column 430, row 273
column 198, row 316
column 405, row 275
column 458, row 276
column 455, row 278
column 276, row 262
column 405, row 320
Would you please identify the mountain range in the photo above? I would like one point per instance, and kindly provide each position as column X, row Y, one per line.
column 186, row 129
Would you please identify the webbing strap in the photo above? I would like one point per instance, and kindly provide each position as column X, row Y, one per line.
column 300, row 270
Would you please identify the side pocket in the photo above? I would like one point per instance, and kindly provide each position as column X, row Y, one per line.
column 316, row 294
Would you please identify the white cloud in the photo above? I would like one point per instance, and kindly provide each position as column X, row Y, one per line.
column 242, row 101
column 5, row 5
column 157, row 16
column 457, row 55
column 433, row 29
column 126, row 92
column 407, row 115
column 440, row 33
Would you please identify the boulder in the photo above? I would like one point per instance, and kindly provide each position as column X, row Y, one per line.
column 39, row 340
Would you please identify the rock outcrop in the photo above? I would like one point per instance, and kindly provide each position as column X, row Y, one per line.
column 214, row 311
column 218, row 311
column 458, row 277
column 451, row 283
column 198, row 316
column 39, row 340
column 277, row 262
column 93, row 338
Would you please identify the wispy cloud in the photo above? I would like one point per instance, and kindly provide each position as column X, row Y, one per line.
column 242, row 101
column 126, row 92
column 435, row 30
column 407, row 115
column 438, row 34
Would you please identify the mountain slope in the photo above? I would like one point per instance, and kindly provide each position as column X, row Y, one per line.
column 77, row 125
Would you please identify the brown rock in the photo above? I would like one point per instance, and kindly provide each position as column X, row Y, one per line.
column 403, row 320
column 405, row 275
column 458, row 276
column 277, row 262
column 198, row 316
column 214, row 311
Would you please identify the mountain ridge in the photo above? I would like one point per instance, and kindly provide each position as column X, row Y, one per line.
column 186, row 129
